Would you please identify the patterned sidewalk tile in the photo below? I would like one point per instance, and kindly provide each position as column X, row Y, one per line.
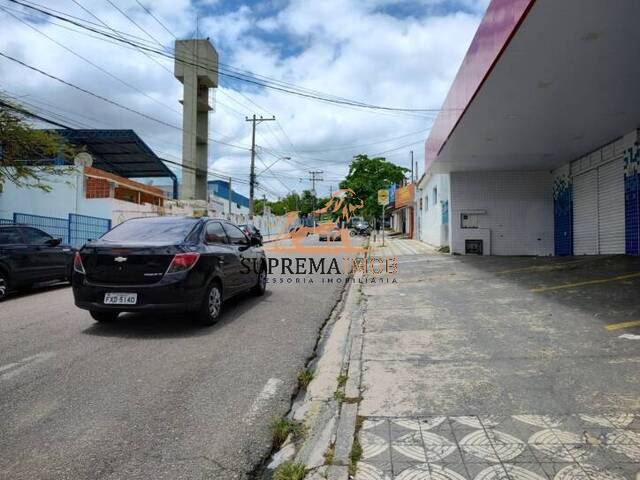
column 516, row 447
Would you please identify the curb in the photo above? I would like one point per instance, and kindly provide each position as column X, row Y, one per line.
column 330, row 418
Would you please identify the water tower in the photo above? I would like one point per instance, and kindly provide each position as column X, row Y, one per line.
column 196, row 66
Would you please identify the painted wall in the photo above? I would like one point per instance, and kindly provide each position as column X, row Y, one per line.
column 563, row 211
column 514, row 211
column 432, row 218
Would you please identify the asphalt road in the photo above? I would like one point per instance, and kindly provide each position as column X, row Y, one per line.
column 150, row 396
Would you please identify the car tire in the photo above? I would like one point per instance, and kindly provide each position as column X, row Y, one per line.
column 103, row 317
column 261, row 285
column 209, row 313
column 4, row 285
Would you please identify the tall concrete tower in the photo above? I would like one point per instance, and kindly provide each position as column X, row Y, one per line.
column 196, row 66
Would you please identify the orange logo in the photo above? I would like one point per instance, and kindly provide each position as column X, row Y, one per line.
column 341, row 208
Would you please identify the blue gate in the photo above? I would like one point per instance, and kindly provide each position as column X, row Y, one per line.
column 75, row 230
column 83, row 228
column 56, row 227
column 5, row 221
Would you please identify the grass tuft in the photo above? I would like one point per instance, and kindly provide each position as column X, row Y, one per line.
column 290, row 471
column 304, row 378
column 281, row 429
column 342, row 380
column 354, row 457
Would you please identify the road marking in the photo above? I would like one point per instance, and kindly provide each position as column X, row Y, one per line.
column 629, row 336
column 267, row 393
column 542, row 268
column 10, row 370
column 623, row 325
column 588, row 282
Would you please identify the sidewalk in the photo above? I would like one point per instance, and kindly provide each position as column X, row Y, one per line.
column 501, row 368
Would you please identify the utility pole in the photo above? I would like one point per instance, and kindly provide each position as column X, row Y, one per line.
column 411, row 152
column 230, row 198
column 315, row 177
column 252, row 176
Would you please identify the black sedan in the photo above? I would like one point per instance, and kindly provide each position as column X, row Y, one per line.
column 169, row 264
column 29, row 255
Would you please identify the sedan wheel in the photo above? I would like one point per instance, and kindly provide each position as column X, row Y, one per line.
column 261, row 284
column 4, row 286
column 212, row 306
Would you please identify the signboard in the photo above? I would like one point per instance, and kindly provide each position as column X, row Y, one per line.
column 404, row 196
column 383, row 197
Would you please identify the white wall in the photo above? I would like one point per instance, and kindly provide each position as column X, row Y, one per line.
column 59, row 202
column 429, row 218
column 515, row 211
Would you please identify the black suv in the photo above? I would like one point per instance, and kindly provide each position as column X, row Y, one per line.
column 170, row 264
column 29, row 255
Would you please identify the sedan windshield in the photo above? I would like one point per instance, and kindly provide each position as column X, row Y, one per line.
column 165, row 230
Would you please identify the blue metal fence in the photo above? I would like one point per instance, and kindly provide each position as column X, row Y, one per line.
column 75, row 230
column 83, row 228
column 5, row 221
column 56, row 227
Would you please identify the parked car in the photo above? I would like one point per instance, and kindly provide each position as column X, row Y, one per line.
column 333, row 235
column 302, row 223
column 29, row 255
column 251, row 231
column 167, row 263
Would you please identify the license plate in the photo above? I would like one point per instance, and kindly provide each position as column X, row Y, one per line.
column 120, row 298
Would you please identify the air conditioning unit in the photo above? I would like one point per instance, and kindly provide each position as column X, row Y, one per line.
column 473, row 247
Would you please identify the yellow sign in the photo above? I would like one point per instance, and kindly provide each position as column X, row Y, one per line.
column 383, row 197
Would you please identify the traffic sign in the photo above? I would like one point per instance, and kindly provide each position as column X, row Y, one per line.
column 383, row 197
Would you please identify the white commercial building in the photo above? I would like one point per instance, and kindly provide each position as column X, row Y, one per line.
column 539, row 133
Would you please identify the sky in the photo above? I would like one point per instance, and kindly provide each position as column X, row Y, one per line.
column 396, row 53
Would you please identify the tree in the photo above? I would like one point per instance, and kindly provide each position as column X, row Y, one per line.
column 368, row 175
column 26, row 153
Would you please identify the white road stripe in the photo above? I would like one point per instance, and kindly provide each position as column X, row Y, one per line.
column 267, row 393
column 10, row 370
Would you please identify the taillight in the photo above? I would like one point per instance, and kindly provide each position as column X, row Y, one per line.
column 182, row 262
column 77, row 263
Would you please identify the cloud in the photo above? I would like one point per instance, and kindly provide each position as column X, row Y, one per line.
column 369, row 50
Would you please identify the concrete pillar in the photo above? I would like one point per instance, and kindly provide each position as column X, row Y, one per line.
column 196, row 66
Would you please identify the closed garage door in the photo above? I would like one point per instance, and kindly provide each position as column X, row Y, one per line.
column 585, row 213
column 598, row 210
column 611, row 207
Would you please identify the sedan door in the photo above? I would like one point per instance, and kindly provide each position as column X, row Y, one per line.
column 48, row 260
column 219, row 248
column 14, row 255
column 242, row 248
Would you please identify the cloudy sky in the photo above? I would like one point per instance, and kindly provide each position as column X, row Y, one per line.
column 396, row 53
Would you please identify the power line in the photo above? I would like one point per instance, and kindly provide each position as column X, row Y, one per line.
column 253, row 79
column 156, row 19
column 107, row 100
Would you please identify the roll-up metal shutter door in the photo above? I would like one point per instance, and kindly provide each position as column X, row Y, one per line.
column 585, row 213
column 611, row 233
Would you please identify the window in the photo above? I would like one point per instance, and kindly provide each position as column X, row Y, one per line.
column 161, row 229
column 33, row 236
column 215, row 233
column 236, row 236
column 10, row 236
column 468, row 220
column 435, row 195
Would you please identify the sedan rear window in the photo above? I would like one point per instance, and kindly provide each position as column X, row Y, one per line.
column 151, row 230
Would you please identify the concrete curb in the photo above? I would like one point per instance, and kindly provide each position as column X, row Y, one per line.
column 328, row 420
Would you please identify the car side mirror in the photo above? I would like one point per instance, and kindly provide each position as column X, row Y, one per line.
column 255, row 241
column 54, row 242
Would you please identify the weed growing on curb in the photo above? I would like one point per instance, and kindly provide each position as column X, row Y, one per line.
column 354, row 456
column 290, row 471
column 328, row 455
column 281, row 429
column 342, row 380
column 339, row 396
column 304, row 378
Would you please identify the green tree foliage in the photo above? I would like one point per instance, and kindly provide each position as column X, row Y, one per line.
column 293, row 202
column 368, row 175
column 19, row 143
